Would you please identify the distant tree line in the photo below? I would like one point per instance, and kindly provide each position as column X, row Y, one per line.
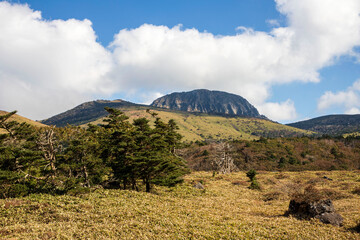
column 116, row 154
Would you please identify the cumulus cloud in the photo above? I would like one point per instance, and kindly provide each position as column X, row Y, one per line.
column 55, row 64
column 348, row 99
column 48, row 66
column 279, row 111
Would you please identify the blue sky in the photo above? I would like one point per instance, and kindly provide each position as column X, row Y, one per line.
column 110, row 16
column 292, row 59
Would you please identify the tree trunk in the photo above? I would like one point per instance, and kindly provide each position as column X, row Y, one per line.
column 86, row 175
column 148, row 187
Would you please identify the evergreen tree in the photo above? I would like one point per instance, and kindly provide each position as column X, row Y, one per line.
column 118, row 144
column 81, row 158
column 155, row 156
column 15, row 156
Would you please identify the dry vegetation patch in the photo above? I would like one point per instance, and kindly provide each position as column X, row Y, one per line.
column 223, row 210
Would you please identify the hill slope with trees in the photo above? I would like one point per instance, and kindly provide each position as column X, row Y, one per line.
column 331, row 124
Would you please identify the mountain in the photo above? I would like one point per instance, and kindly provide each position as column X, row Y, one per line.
column 21, row 119
column 331, row 124
column 237, row 119
column 85, row 112
column 206, row 101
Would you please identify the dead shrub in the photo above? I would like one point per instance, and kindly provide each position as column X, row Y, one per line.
column 271, row 196
column 289, row 189
column 308, row 195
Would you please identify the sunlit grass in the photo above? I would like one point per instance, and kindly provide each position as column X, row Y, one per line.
column 20, row 119
column 226, row 209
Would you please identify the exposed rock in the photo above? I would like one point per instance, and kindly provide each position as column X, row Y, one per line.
column 322, row 210
column 331, row 218
column 206, row 101
column 199, row 186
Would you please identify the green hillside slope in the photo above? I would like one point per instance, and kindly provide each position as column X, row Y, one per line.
column 202, row 126
column 21, row 119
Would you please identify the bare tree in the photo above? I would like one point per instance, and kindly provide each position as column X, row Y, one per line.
column 223, row 160
column 46, row 143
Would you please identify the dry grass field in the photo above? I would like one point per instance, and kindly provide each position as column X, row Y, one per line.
column 225, row 209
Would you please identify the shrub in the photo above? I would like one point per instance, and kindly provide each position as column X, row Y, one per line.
column 255, row 185
column 310, row 194
column 251, row 174
column 205, row 153
column 275, row 195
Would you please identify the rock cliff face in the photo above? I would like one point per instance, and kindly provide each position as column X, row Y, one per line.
column 206, row 101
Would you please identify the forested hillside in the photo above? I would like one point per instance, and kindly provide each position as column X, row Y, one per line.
column 295, row 154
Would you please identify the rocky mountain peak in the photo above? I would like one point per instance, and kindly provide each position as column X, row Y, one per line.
column 206, row 101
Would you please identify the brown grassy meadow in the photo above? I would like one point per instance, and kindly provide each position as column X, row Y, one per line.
column 225, row 209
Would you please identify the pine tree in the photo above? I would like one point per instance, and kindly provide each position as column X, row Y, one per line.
column 118, row 144
column 155, row 157
column 81, row 158
column 15, row 156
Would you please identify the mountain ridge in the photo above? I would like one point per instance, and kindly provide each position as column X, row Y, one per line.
column 86, row 112
column 335, row 124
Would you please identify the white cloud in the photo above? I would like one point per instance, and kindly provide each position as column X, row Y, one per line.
column 149, row 97
column 348, row 99
column 49, row 66
column 273, row 22
column 353, row 110
column 279, row 111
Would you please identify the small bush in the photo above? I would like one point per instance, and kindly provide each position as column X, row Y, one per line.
column 255, row 185
column 205, row 153
column 251, row 174
column 275, row 195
